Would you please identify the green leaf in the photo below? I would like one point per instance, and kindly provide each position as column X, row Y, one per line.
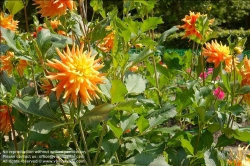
column 213, row 127
column 105, row 88
column 173, row 61
column 20, row 121
column 37, row 137
column 3, row 48
column 224, row 141
column 134, row 144
column 142, row 124
column 236, row 109
column 244, row 90
column 97, row 114
column 131, row 105
column 135, row 84
column 14, row 6
column 97, row 7
column 165, row 34
column 117, row 130
column 211, row 158
column 9, row 35
column 201, row 113
column 100, row 31
column 225, row 80
column 118, row 91
column 168, row 130
column 110, row 145
column 136, row 58
column 187, row 146
column 147, row 159
column 151, row 23
column 43, row 127
column 133, row 25
column 147, row 41
column 7, row 82
column 207, row 139
column 127, row 122
column 242, row 135
column 36, row 106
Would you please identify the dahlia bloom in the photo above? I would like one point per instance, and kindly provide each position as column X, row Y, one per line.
column 46, row 86
column 240, row 158
column 77, row 75
column 216, row 53
column 189, row 26
column 51, row 8
column 218, row 93
column 9, row 62
column 54, row 25
column 5, row 124
column 245, row 73
column 107, row 44
column 8, row 22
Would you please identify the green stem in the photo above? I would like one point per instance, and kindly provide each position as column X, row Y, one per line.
column 12, row 128
column 34, row 79
column 100, row 142
column 84, row 143
column 25, row 15
column 198, row 140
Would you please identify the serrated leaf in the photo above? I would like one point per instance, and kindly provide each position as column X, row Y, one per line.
column 147, row 159
column 236, row 109
column 133, row 25
column 135, row 144
column 210, row 159
column 100, row 31
column 98, row 114
column 213, row 127
column 131, row 105
column 136, row 58
column 37, row 137
column 7, row 81
column 151, row 23
column 118, row 91
column 244, row 90
column 9, row 35
column 224, row 141
column 105, row 88
column 110, row 145
column 36, row 106
column 166, row 34
column 128, row 121
column 43, row 127
column 135, row 84
column 147, row 41
column 187, row 146
column 142, row 124
column 14, row 6
column 117, row 130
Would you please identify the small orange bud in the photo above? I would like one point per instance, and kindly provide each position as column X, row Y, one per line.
column 134, row 68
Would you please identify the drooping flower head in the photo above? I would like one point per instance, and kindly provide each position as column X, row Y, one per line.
column 190, row 27
column 8, row 22
column 77, row 75
column 5, row 124
column 9, row 63
column 219, row 93
column 245, row 73
column 46, row 86
column 51, row 8
column 216, row 53
column 107, row 43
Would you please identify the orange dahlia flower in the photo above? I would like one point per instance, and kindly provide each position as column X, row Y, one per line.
column 77, row 75
column 216, row 53
column 245, row 73
column 108, row 42
column 8, row 22
column 46, row 86
column 54, row 25
column 5, row 124
column 9, row 62
column 189, row 26
column 51, row 8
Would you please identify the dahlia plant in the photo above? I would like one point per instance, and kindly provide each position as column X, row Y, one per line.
column 103, row 91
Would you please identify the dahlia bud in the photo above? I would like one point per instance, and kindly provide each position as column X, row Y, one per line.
column 238, row 50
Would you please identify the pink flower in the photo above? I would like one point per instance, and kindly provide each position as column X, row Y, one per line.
column 218, row 93
column 204, row 74
column 210, row 70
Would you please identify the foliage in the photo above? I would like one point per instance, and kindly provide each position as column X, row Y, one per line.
column 84, row 91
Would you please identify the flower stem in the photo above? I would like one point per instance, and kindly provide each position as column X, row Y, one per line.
column 25, row 15
column 100, row 142
column 84, row 143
